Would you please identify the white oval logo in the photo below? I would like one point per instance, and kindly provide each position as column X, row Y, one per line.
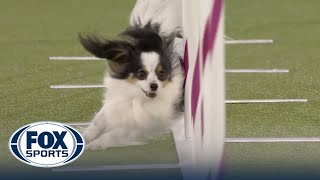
column 46, row 144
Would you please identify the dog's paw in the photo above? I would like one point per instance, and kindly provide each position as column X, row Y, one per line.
column 88, row 136
column 81, row 129
column 95, row 146
column 137, row 143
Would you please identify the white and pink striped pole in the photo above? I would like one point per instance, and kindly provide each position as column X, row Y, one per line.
column 203, row 25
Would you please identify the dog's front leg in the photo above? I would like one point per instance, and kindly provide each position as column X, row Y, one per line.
column 116, row 138
column 96, row 127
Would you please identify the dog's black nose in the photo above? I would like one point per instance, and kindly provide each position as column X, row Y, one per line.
column 153, row 87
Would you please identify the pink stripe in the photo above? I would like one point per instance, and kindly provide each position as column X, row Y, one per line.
column 211, row 29
column 185, row 62
column 195, row 91
column 209, row 39
column 202, row 120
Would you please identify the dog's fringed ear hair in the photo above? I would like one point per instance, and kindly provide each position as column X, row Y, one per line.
column 145, row 39
column 117, row 52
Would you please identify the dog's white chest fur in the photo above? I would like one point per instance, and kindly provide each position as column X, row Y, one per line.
column 138, row 112
column 128, row 117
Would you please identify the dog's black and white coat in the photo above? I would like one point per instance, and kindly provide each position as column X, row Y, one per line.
column 145, row 77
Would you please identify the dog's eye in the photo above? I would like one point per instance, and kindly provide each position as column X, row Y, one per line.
column 162, row 75
column 142, row 74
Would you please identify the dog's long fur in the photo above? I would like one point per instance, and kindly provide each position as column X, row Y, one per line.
column 145, row 77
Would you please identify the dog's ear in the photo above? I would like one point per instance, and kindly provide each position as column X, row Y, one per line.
column 116, row 51
column 145, row 39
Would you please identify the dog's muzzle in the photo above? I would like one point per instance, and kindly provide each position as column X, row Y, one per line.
column 150, row 94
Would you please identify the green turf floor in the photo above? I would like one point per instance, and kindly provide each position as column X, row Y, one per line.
column 33, row 30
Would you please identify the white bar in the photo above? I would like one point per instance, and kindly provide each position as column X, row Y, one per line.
column 231, row 41
column 77, row 86
column 249, row 41
column 264, row 101
column 272, row 140
column 227, row 37
column 78, row 58
column 77, row 123
column 180, row 140
column 257, row 71
column 117, row 167
column 241, row 101
column 254, row 71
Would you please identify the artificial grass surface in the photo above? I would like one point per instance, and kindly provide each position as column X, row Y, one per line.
column 31, row 31
column 294, row 26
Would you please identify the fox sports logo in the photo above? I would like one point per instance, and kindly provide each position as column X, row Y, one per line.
column 46, row 144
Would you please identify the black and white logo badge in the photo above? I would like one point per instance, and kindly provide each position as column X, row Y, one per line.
column 46, row 144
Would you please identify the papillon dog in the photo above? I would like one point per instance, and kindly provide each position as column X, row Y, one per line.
column 144, row 80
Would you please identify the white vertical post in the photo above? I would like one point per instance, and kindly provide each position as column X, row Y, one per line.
column 191, row 33
column 203, row 26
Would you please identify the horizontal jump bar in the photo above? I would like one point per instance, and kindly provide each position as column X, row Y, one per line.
column 77, row 86
column 246, row 101
column 272, row 140
column 78, row 58
column 253, row 70
column 256, row 70
column 240, row 41
column 249, row 41
column 242, row 101
column 241, row 140
column 227, row 71
column 77, row 123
